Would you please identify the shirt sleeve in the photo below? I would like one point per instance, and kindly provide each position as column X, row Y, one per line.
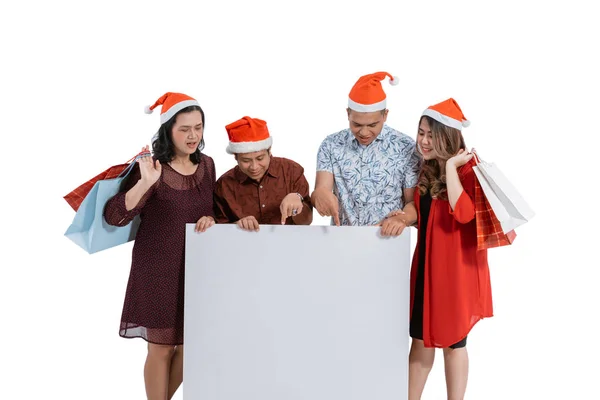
column 464, row 210
column 300, row 184
column 220, row 205
column 115, row 211
column 413, row 167
column 324, row 160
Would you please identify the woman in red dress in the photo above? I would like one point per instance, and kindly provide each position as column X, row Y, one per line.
column 168, row 190
column 450, row 281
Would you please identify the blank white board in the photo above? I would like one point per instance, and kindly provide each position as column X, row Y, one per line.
column 296, row 312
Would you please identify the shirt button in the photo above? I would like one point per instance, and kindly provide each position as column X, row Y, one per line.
column 261, row 186
column 263, row 205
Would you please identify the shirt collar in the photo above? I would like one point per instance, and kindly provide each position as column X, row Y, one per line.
column 352, row 140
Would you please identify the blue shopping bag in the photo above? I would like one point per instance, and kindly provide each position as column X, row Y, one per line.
column 89, row 230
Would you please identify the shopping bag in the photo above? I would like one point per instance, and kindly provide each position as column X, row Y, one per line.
column 89, row 230
column 489, row 229
column 76, row 196
column 507, row 203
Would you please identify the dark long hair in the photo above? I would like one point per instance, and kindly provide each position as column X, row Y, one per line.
column 162, row 143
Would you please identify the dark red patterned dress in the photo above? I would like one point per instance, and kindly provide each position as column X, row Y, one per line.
column 153, row 308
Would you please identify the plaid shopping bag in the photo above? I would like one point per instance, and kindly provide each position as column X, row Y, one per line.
column 76, row 196
column 489, row 229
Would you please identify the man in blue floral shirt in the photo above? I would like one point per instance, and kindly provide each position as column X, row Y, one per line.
column 369, row 170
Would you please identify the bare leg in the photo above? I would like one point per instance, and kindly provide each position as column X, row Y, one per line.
column 456, row 366
column 156, row 370
column 420, row 362
column 176, row 371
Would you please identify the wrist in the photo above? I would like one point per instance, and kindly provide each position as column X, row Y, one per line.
column 397, row 217
column 299, row 195
column 405, row 219
column 144, row 184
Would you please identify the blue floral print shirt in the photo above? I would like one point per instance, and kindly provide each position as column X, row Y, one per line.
column 369, row 180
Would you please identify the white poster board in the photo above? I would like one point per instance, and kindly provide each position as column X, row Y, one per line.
column 296, row 313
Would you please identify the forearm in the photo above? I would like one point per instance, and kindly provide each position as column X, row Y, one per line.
column 323, row 183
column 135, row 194
column 410, row 213
column 453, row 185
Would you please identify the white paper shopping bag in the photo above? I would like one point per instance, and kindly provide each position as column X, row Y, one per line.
column 508, row 204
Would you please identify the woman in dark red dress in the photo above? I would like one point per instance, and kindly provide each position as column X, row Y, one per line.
column 450, row 280
column 168, row 190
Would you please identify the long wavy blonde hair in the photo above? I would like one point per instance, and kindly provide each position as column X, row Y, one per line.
column 446, row 143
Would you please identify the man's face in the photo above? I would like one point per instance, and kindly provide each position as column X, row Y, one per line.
column 366, row 126
column 254, row 164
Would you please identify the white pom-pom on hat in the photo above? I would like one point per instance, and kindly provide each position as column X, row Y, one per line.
column 394, row 81
column 147, row 110
column 466, row 123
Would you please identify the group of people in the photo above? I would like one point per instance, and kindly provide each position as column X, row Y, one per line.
column 367, row 174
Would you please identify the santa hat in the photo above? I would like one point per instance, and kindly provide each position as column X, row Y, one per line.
column 448, row 113
column 367, row 95
column 171, row 104
column 248, row 135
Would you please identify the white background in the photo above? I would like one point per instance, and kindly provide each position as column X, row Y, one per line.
column 75, row 77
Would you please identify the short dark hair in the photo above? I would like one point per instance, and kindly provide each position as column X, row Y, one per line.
column 162, row 143
column 348, row 109
column 237, row 154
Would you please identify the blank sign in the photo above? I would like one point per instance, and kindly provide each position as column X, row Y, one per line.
column 296, row 312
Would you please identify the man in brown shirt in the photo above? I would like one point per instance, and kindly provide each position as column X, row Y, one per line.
column 261, row 189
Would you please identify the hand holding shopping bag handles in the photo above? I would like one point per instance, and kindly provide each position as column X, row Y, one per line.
column 89, row 230
column 499, row 206
column 76, row 196
column 150, row 170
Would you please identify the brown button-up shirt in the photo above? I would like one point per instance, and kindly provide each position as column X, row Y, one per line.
column 238, row 196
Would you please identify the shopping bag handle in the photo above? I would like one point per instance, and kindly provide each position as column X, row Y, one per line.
column 138, row 155
column 132, row 162
column 476, row 156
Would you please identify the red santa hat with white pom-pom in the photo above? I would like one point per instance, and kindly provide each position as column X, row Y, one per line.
column 171, row 104
column 448, row 113
column 367, row 94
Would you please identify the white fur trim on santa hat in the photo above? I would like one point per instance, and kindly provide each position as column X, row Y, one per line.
column 366, row 107
column 176, row 108
column 249, row 147
column 444, row 119
column 394, row 81
column 147, row 110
